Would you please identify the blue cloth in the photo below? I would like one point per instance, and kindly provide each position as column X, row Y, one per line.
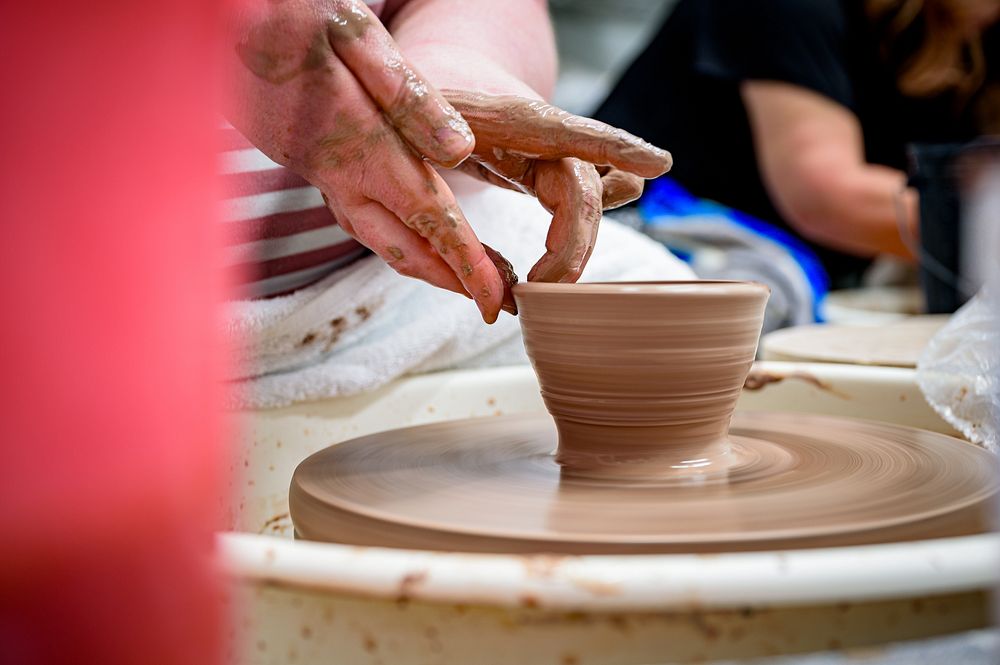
column 666, row 203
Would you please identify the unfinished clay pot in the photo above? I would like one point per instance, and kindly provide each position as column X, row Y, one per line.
column 642, row 378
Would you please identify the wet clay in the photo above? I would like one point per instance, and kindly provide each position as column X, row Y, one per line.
column 350, row 24
column 759, row 379
column 265, row 50
column 641, row 379
column 492, row 485
column 508, row 276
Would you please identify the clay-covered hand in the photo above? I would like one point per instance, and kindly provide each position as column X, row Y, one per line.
column 321, row 88
column 576, row 167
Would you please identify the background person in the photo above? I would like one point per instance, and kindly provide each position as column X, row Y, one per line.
column 799, row 112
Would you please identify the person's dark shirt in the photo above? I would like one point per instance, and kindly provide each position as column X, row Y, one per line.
column 682, row 93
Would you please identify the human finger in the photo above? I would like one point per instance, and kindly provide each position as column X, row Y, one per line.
column 375, row 227
column 413, row 191
column 415, row 108
column 536, row 129
column 480, row 171
column 571, row 190
column 620, row 187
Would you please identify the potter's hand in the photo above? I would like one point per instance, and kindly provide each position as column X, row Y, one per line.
column 322, row 89
column 575, row 166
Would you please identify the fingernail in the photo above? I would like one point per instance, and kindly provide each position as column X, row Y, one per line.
column 449, row 135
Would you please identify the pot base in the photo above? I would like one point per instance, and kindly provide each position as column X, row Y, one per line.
column 492, row 485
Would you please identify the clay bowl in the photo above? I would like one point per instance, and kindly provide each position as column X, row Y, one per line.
column 641, row 378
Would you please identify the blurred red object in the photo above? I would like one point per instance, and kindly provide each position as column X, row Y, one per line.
column 109, row 398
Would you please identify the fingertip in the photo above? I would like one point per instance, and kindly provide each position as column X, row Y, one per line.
column 455, row 144
column 549, row 269
column 540, row 272
column 489, row 315
column 442, row 136
column 643, row 159
column 661, row 163
column 490, row 302
column 668, row 160
column 486, row 284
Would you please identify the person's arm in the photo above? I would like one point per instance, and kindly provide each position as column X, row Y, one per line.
column 321, row 87
column 483, row 45
column 810, row 152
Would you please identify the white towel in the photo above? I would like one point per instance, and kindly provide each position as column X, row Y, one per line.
column 365, row 325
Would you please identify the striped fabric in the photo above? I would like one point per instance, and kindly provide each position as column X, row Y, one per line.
column 281, row 237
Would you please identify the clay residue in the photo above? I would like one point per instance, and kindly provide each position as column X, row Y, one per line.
column 409, row 584
column 508, row 276
column 758, row 379
column 543, row 565
column 411, row 96
column 349, row 25
column 349, row 143
column 278, row 523
column 446, row 229
column 270, row 54
column 529, row 601
column 596, row 587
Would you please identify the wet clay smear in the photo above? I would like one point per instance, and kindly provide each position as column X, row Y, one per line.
column 508, row 276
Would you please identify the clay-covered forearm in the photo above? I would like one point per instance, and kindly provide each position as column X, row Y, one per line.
column 484, row 45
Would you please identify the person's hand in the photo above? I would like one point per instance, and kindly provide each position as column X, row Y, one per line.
column 576, row 167
column 321, row 88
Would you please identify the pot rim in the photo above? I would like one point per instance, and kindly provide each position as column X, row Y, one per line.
column 690, row 287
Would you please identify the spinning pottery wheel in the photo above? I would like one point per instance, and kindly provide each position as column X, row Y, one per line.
column 492, row 485
column 639, row 456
